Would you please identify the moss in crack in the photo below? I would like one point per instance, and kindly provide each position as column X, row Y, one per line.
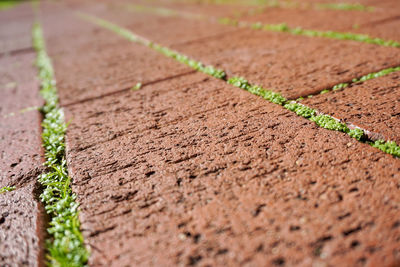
column 322, row 120
column 283, row 27
column 228, row 21
column 339, row 86
column 66, row 247
column 136, row 87
column 7, row 189
column 300, row 109
column 357, row 134
column 378, row 74
column 344, row 6
column 389, row 147
column 327, row 122
column 359, row 80
column 268, row 95
column 217, row 73
column 343, row 36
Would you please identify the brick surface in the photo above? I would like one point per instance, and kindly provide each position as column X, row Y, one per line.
column 120, row 64
column 236, row 181
column 22, row 219
column 15, row 28
column 21, row 228
column 189, row 170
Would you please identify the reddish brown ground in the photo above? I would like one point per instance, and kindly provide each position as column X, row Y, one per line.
column 21, row 155
column 191, row 171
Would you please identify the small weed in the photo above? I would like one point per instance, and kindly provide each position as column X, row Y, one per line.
column 136, row 87
column 339, row 86
column 374, row 75
column 7, row 189
column 356, row 133
column 344, row 6
column 361, row 79
column 389, row 147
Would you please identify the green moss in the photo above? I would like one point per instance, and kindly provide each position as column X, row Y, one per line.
column 239, row 82
column 228, row 21
column 339, row 86
column 364, row 78
column 343, row 6
column 374, row 75
column 329, row 123
column 356, row 133
column 268, row 95
column 300, row 109
column 283, row 27
column 389, row 147
column 8, row 4
column 342, row 36
column 136, row 87
column 7, row 189
column 65, row 247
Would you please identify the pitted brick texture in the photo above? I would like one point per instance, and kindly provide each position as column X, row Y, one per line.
column 15, row 28
column 168, row 28
column 21, row 227
column 20, row 131
column 242, row 183
column 19, row 85
column 119, row 63
column 21, row 153
column 191, row 171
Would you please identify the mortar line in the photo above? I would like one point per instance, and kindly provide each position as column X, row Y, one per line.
column 381, row 21
column 307, row 6
column 356, row 81
column 116, row 92
column 322, row 120
column 66, row 246
column 282, row 27
column 171, row 12
column 296, row 5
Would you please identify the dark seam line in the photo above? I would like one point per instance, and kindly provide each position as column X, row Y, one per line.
column 127, row 89
column 381, row 21
column 17, row 51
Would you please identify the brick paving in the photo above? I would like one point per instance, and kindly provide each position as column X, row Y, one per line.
column 189, row 170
